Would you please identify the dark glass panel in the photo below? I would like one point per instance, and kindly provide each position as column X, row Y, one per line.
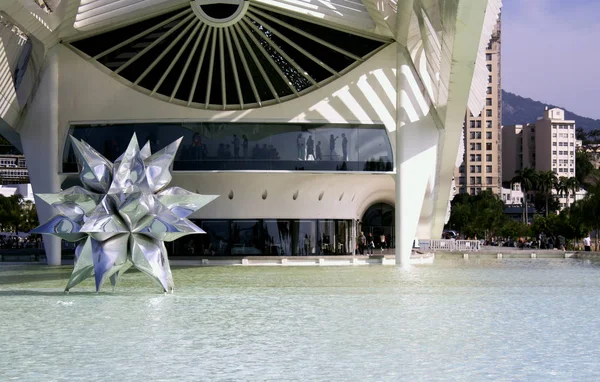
column 246, row 237
column 304, row 237
column 95, row 45
column 278, row 237
column 218, row 234
column 248, row 146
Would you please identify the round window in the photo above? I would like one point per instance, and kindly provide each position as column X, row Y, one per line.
column 219, row 13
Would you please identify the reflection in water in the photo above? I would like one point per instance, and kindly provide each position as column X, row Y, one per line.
column 468, row 321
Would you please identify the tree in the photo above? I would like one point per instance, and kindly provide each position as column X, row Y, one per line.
column 514, row 229
column 572, row 185
column 477, row 215
column 581, row 135
column 583, row 167
column 590, row 209
column 527, row 177
column 593, row 135
column 545, row 184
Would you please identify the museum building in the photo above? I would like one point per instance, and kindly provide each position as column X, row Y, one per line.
column 311, row 121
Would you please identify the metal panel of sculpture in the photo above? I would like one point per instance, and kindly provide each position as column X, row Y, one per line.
column 123, row 214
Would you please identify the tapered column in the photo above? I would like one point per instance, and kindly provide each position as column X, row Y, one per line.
column 417, row 138
column 39, row 136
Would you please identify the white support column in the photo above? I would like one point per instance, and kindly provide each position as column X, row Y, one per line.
column 39, row 136
column 417, row 138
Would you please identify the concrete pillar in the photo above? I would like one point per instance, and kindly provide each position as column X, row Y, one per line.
column 39, row 136
column 417, row 138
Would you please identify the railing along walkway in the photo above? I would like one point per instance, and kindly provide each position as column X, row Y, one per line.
column 452, row 245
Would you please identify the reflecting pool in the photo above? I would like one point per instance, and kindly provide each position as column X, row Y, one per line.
column 525, row 320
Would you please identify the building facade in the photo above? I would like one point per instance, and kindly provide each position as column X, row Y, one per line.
column 549, row 144
column 481, row 168
column 313, row 122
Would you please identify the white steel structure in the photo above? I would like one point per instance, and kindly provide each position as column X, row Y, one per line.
column 292, row 109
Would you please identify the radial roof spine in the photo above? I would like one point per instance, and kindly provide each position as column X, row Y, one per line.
column 255, row 11
column 268, row 56
column 165, row 51
column 187, row 62
column 245, row 64
column 303, row 51
column 211, row 65
column 234, row 67
column 222, row 62
column 141, row 34
column 154, row 43
column 177, row 57
column 280, row 51
column 197, row 74
column 257, row 62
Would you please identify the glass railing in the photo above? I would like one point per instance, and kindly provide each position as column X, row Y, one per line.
column 209, row 146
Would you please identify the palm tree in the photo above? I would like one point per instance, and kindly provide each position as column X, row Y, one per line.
column 561, row 187
column 545, row 184
column 527, row 177
column 572, row 184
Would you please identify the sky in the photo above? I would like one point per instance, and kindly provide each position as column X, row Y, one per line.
column 551, row 52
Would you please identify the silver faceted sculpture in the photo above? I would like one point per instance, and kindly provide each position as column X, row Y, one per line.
column 123, row 214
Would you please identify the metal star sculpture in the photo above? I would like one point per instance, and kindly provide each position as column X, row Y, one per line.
column 123, row 214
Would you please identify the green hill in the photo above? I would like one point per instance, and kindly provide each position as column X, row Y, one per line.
column 520, row 110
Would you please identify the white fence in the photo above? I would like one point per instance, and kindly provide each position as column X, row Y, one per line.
column 454, row 245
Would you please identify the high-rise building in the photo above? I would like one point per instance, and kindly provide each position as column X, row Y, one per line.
column 481, row 168
column 546, row 145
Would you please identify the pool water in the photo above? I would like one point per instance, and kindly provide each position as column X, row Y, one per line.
column 500, row 320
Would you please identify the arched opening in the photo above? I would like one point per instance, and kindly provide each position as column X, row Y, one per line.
column 379, row 220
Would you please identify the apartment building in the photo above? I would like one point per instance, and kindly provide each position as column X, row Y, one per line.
column 481, row 168
column 549, row 144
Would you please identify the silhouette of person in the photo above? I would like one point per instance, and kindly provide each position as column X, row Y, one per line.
column 300, row 145
column 236, row 146
column 319, row 156
column 245, row 145
column 331, row 145
column 310, row 148
column 345, row 146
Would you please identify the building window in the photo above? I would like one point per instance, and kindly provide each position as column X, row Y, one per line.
column 488, row 168
column 488, row 101
column 479, row 124
column 488, row 157
column 472, row 179
column 488, row 146
column 210, row 146
column 478, row 169
column 478, row 180
column 478, row 135
column 488, row 124
column 488, row 180
column 472, row 123
column 553, row 143
column 489, row 90
column 488, row 135
column 489, row 67
column 488, row 113
column 488, row 57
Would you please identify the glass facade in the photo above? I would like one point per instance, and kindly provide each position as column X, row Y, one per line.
column 208, row 146
column 266, row 237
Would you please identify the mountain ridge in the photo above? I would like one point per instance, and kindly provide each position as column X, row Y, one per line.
column 517, row 110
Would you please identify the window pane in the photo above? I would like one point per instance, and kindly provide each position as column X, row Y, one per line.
column 248, row 146
column 278, row 238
